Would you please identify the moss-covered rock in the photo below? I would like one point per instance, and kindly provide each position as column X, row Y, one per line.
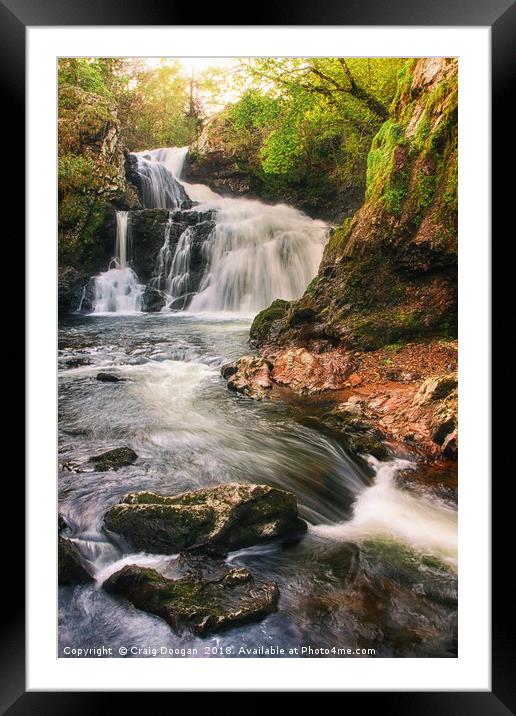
column 114, row 459
column 71, row 568
column 263, row 323
column 91, row 176
column 390, row 273
column 212, row 520
column 215, row 597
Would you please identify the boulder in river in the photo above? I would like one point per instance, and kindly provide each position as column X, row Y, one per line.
column 249, row 376
column 108, row 378
column 153, row 300
column 114, row 459
column 71, row 568
column 209, row 599
column 213, row 520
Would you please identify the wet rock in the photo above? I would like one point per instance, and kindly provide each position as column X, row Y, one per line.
column 208, row 600
column 77, row 362
column 61, row 523
column 450, row 445
column 152, row 300
column 444, row 424
column 249, row 376
column 213, row 520
column 114, row 459
column 436, row 476
column 71, row 567
column 360, row 432
column 70, row 289
column 109, row 378
column 150, row 227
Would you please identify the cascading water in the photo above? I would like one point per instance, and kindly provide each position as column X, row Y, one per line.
column 255, row 254
column 158, row 171
column 377, row 566
column 258, row 253
column 117, row 290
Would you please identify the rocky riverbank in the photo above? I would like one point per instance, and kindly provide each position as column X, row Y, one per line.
column 375, row 331
column 396, row 400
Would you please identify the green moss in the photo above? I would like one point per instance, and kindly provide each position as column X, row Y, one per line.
column 264, row 320
column 403, row 88
column 425, row 190
column 81, row 218
column 394, row 347
column 374, row 329
column 337, row 240
column 74, row 173
column 381, row 155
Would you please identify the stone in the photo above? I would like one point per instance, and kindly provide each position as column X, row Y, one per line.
column 114, row 459
column 212, row 520
column 209, row 600
column 435, row 388
column 71, row 567
column 309, row 373
column 109, row 378
column 362, row 436
column 152, row 300
column 249, row 376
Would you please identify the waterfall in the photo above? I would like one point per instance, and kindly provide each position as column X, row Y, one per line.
column 178, row 278
column 121, row 238
column 117, row 290
column 225, row 254
column 256, row 253
column 158, row 172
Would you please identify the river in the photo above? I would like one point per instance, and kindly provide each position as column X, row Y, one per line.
column 377, row 568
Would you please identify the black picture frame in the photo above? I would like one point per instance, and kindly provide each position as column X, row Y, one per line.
column 499, row 15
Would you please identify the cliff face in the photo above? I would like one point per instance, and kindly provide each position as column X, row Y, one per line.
column 375, row 330
column 390, row 273
column 92, row 178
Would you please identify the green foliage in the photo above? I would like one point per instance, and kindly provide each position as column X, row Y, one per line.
column 299, row 127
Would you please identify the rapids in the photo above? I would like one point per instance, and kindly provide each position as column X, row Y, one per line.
column 377, row 567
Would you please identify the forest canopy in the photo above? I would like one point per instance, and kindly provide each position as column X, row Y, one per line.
column 284, row 119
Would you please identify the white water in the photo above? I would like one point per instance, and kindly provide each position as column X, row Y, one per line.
column 159, row 171
column 117, row 290
column 256, row 254
column 385, row 511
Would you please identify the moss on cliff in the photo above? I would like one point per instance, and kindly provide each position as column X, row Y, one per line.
column 390, row 273
column 91, row 175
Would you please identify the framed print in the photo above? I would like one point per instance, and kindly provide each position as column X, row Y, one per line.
column 258, row 293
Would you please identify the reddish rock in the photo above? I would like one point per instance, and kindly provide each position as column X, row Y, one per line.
column 309, row 373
